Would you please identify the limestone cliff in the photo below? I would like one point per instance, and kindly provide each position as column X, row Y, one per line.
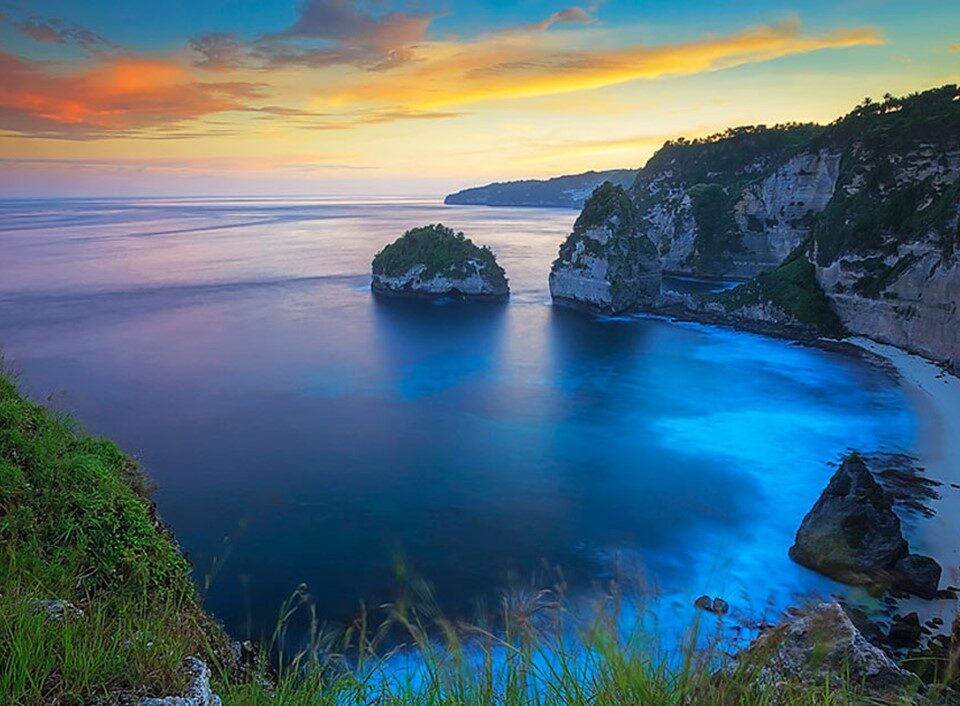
column 885, row 248
column 736, row 203
column 852, row 226
column 606, row 263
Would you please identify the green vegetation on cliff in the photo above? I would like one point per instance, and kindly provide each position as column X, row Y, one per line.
column 77, row 526
column 713, row 171
column 793, row 288
column 875, row 209
column 732, row 157
column 441, row 250
column 609, row 204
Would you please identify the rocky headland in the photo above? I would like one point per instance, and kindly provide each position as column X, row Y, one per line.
column 606, row 264
column 569, row 191
column 436, row 261
column 851, row 227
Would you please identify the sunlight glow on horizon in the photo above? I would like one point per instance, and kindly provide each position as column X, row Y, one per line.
column 335, row 96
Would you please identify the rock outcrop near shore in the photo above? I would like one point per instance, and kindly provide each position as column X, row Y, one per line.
column 822, row 649
column 435, row 261
column 606, row 264
column 853, row 535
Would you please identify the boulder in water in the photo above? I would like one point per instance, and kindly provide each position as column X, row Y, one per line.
column 852, row 533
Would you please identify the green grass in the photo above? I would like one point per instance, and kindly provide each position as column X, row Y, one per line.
column 76, row 524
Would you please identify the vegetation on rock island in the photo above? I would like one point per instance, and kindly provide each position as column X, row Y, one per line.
column 441, row 251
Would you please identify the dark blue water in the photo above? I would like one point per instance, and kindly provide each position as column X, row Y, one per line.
column 302, row 431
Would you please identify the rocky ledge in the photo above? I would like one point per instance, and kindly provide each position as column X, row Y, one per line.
column 853, row 535
column 606, row 264
column 435, row 261
column 820, row 649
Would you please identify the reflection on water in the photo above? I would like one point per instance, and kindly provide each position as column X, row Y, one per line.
column 301, row 430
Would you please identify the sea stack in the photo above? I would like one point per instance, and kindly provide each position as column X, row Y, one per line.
column 606, row 264
column 853, row 535
column 435, row 261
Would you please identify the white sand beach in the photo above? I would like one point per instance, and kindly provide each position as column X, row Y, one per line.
column 936, row 395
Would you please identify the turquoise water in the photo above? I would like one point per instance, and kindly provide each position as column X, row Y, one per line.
column 302, row 431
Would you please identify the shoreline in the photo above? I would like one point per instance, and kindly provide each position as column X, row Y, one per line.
column 936, row 395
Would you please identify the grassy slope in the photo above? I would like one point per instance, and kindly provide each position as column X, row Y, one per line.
column 76, row 525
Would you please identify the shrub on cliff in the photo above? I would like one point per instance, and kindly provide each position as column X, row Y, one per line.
column 792, row 288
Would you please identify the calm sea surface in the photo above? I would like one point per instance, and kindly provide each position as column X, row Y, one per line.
column 302, row 431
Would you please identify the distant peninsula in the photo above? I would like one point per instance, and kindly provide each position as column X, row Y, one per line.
column 570, row 191
column 436, row 261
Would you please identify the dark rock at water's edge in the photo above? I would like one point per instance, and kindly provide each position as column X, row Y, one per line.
column 606, row 264
column 916, row 574
column 559, row 192
column 853, row 535
column 905, row 631
column 435, row 261
column 820, row 649
column 717, row 606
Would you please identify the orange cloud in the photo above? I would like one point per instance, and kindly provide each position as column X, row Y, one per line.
column 511, row 65
column 120, row 94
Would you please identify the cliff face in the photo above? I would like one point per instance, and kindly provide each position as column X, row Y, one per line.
column 472, row 281
column 871, row 203
column 734, row 204
column 606, row 264
column 886, row 247
column 775, row 215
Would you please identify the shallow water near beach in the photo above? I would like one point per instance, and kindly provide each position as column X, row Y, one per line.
column 301, row 430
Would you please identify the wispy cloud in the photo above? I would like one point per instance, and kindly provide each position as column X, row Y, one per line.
column 54, row 31
column 571, row 15
column 331, row 32
column 394, row 72
column 509, row 66
column 218, row 51
column 118, row 95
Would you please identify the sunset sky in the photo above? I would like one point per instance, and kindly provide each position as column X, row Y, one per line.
column 331, row 96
